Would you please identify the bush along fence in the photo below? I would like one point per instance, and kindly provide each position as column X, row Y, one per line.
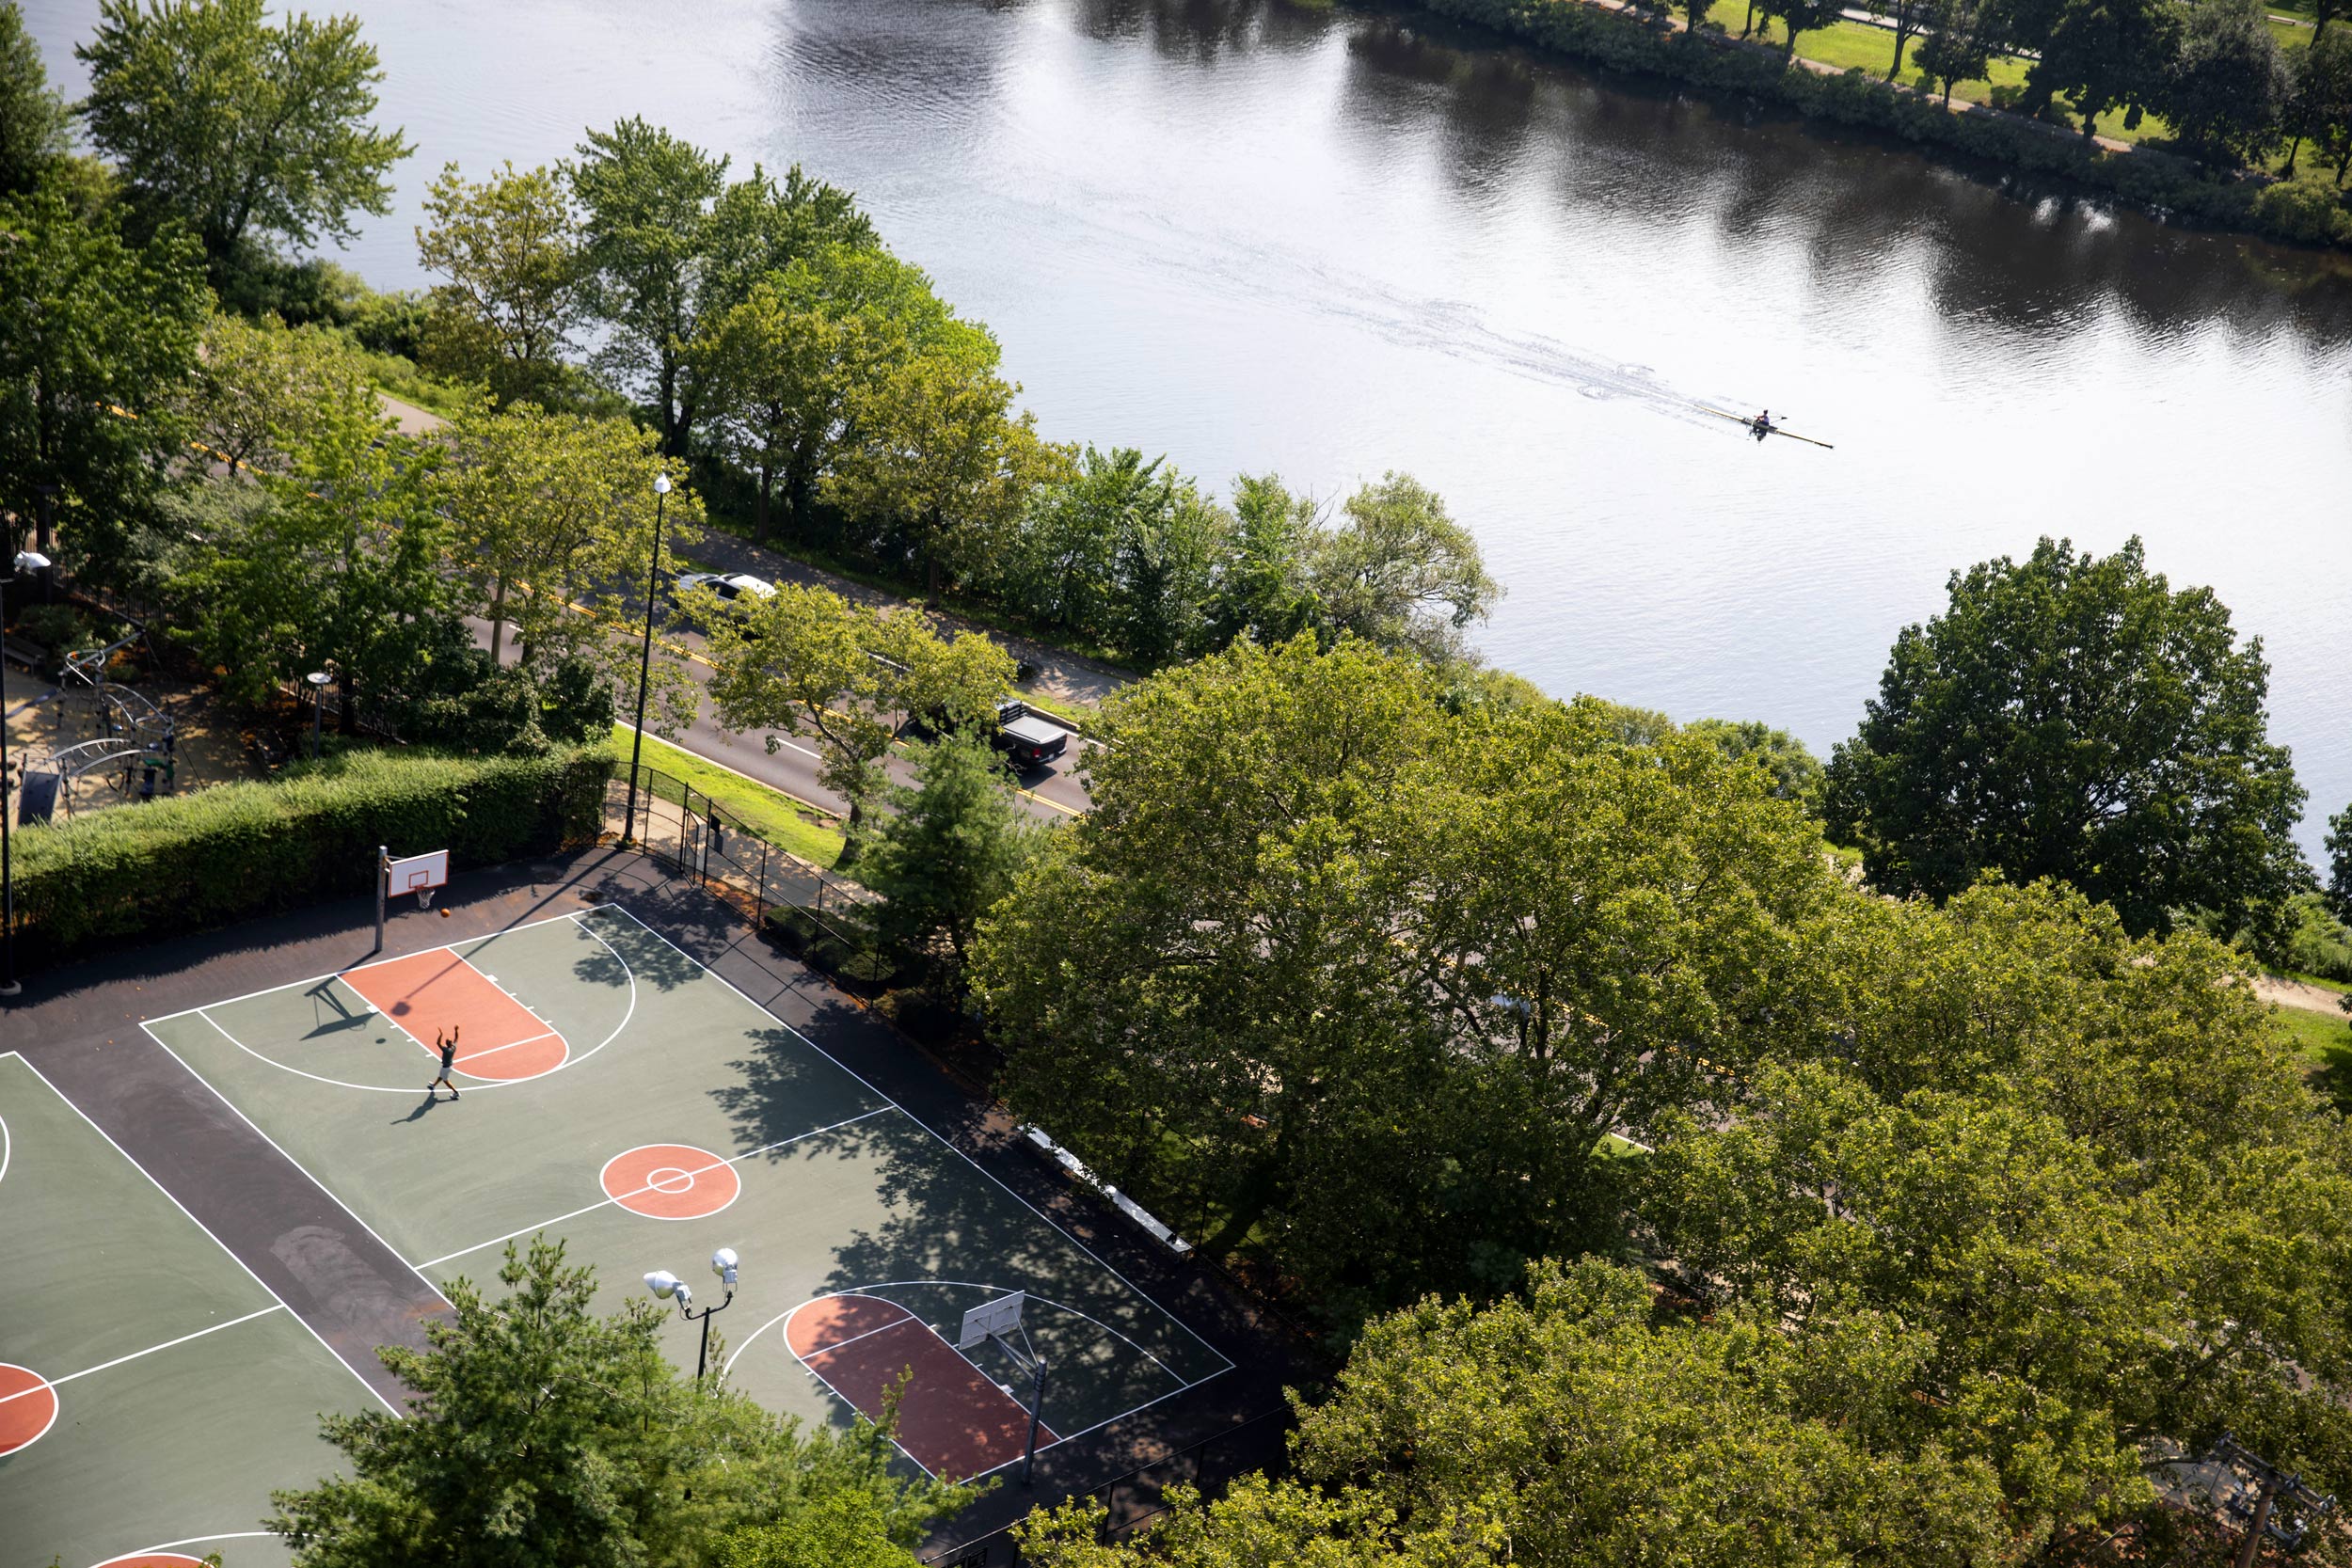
column 800, row 907
column 194, row 861
column 2167, row 185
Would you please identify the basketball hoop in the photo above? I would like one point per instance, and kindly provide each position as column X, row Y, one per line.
column 421, row 875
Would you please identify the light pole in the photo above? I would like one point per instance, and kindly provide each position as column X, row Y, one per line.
column 318, row 679
column 644, row 666
column 669, row 1287
column 26, row 560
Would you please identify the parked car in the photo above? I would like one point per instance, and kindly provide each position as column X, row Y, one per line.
column 1030, row 740
column 733, row 588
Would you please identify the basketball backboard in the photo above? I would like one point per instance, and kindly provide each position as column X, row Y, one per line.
column 991, row 1319
column 417, row 873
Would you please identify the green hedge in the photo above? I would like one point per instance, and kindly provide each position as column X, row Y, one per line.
column 2169, row 186
column 192, row 862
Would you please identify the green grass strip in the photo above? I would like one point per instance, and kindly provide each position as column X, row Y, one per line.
column 770, row 813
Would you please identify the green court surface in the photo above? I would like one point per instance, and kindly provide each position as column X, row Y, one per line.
column 678, row 1116
column 183, row 1390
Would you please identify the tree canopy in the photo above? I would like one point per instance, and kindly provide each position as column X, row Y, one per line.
column 2076, row 717
column 541, row 1433
column 507, row 251
column 32, row 116
column 240, row 129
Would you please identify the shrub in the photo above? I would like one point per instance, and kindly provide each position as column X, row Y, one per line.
column 206, row 859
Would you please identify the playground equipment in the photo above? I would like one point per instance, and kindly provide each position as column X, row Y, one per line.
column 106, row 737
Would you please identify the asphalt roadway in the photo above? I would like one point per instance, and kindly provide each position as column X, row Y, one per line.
column 1053, row 792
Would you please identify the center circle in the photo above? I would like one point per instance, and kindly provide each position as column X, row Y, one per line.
column 669, row 1181
column 28, row 1406
column 154, row 1559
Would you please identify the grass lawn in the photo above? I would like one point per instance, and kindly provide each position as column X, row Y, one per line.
column 2325, row 1042
column 770, row 813
column 2339, row 986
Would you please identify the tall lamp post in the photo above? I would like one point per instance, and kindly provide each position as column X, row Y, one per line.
column 26, row 560
column 644, row 665
column 317, row 680
column 669, row 1287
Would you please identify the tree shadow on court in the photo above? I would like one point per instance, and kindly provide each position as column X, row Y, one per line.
column 630, row 950
column 783, row 1090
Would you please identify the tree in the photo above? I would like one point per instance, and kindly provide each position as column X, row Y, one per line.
column 32, row 118
column 258, row 387
column 2319, row 107
column 645, row 201
column 1309, row 895
column 946, row 853
column 2227, row 92
column 775, row 371
column 1577, row 1426
column 507, row 250
column 1909, row 17
column 240, row 129
column 95, row 338
column 1801, row 17
column 1168, row 545
column 2340, row 864
column 805, row 662
column 937, row 458
column 550, row 515
column 2107, row 55
column 1263, row 590
column 2074, row 717
column 1794, row 772
column 339, row 572
column 1400, row 572
column 541, row 1433
column 1963, row 36
column 761, row 225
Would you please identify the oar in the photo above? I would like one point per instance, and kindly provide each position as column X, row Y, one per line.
column 1771, row 429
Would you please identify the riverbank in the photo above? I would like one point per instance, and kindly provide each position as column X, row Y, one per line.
column 1605, row 33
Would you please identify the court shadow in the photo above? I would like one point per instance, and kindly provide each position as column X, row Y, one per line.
column 630, row 950
column 783, row 1090
column 334, row 1017
column 422, row 1109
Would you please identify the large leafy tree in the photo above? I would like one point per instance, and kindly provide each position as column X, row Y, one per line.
column 1311, row 894
column 240, row 129
column 541, row 1433
column 937, row 460
column 258, row 387
column 807, row 661
column 1961, row 38
column 777, row 369
column 1578, row 1427
column 2106, row 55
column 1799, row 17
column 1263, row 588
column 507, row 251
column 339, row 572
column 2076, row 717
column 96, row 337
column 947, row 851
column 32, row 118
column 552, row 514
column 2227, row 92
column 1400, row 572
column 2340, row 864
column 645, row 200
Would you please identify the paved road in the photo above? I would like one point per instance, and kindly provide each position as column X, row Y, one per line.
column 1053, row 792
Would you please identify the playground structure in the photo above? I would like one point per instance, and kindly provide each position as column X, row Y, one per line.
column 107, row 738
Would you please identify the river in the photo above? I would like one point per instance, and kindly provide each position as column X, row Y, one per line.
column 1257, row 236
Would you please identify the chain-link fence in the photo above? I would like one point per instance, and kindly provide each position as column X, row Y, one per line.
column 687, row 832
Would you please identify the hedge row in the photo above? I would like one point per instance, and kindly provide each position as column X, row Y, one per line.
column 193, row 862
column 2169, row 186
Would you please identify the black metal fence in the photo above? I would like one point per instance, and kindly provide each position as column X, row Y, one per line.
column 1133, row 1502
column 694, row 837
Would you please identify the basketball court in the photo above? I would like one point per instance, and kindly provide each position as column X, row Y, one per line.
column 152, row 1390
column 613, row 1092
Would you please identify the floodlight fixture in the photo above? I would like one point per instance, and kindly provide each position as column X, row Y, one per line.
column 662, row 1283
column 661, row 484
column 724, row 1264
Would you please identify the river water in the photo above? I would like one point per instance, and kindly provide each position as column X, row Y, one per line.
column 1258, row 236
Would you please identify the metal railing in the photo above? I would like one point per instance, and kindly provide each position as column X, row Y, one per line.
column 693, row 836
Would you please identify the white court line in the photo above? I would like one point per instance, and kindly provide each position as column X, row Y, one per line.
column 288, row 1158
column 904, row 1317
column 814, row 1132
column 5, row 1145
column 208, row 1229
column 1140, row 1293
column 60, row 1382
column 863, row 1416
column 339, row 973
column 1071, row 1436
column 191, row 1541
column 481, row 1085
column 961, row 1285
column 494, row 1050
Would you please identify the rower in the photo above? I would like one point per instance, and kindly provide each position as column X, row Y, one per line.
column 1762, row 425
